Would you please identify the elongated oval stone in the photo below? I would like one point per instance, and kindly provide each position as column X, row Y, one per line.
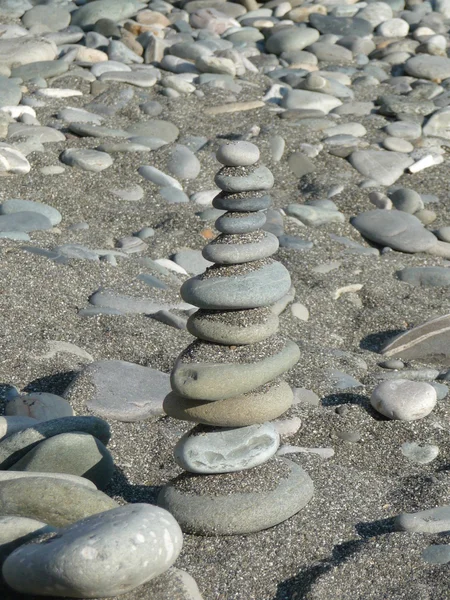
column 233, row 327
column 244, row 179
column 242, row 202
column 236, row 287
column 258, row 406
column 232, row 223
column 215, row 380
column 235, row 249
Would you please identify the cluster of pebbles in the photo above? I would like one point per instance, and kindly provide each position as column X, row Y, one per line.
column 228, row 380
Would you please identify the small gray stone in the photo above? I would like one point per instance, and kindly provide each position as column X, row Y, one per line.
column 421, row 455
column 250, row 202
column 425, row 276
column 183, row 163
column 235, row 179
column 381, row 166
column 404, row 400
column 438, row 554
column 107, row 554
column 288, row 39
column 41, row 406
column 232, row 223
column 52, row 17
column 314, row 216
column 16, row 531
column 304, row 99
column 238, row 154
column 24, row 222
column 223, row 251
column 172, row 195
column 192, row 261
column 424, row 66
column 158, row 177
column 406, row 200
column 10, row 425
column 86, row 159
column 14, row 206
column 9, row 475
column 115, row 10
column 434, row 520
column 163, row 130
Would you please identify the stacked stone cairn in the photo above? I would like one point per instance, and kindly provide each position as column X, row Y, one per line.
column 228, row 380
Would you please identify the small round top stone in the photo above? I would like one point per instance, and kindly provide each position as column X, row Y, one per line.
column 238, row 154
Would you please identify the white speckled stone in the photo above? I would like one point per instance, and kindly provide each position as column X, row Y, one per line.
column 404, row 400
column 104, row 555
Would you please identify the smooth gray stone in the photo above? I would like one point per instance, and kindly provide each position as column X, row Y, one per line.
column 24, row 49
column 305, row 396
column 382, row 166
column 14, row 205
column 96, row 131
column 331, row 53
column 238, row 154
column 10, row 475
column 300, row 164
column 260, row 287
column 314, row 216
column 421, row 455
column 156, row 128
column 406, row 200
column 210, row 450
column 86, row 159
column 438, row 123
column 238, row 513
column 152, row 108
column 429, row 67
column 353, row 247
column 39, row 133
column 172, row 195
column 125, row 146
column 143, row 79
column 120, row 52
column 342, row 381
column 291, row 38
column 72, row 453
column 293, row 242
column 183, row 163
column 438, row 554
column 425, row 276
column 392, row 105
column 411, row 374
column 192, row 261
column 131, row 193
column 152, row 281
column 78, row 115
column 249, row 202
column 232, row 223
column 434, row 520
column 396, row 229
column 404, row 400
column 125, row 304
column 77, row 252
column 12, row 424
column 120, row 550
column 168, row 318
column 17, row 445
column 218, row 381
column 151, row 143
column 404, row 130
column 111, row 101
column 223, row 252
column 305, row 99
column 441, row 389
column 236, row 179
column 24, row 222
column 120, row 390
column 16, row 531
column 15, row 235
column 430, row 341
column 14, row 8
column 41, row 406
column 53, row 16
column 233, row 327
column 158, row 177
column 341, row 26
column 10, row 92
column 29, row 497
column 116, row 10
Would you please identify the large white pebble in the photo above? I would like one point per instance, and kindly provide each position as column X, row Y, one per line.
column 238, row 154
column 102, row 556
column 404, row 400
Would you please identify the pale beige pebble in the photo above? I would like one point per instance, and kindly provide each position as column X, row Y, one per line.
column 301, row 13
column 131, row 42
column 440, row 249
column 404, row 400
column 300, row 311
column 233, row 107
column 430, row 160
column 347, row 289
column 170, row 264
column 152, row 17
column 90, row 55
column 426, row 216
column 179, row 84
column 287, row 427
column 322, row 452
column 380, row 200
column 282, row 9
column 12, row 424
column 204, row 197
column 212, row 20
column 422, row 32
column 216, row 64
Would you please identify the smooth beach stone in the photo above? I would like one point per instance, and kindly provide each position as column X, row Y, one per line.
column 104, row 555
column 39, row 405
column 209, row 380
column 237, row 287
column 238, row 154
column 258, row 406
column 131, row 193
column 119, row 390
column 43, row 68
column 382, row 166
column 26, row 49
column 438, row 554
column 242, row 202
column 192, row 261
column 206, row 450
column 438, row 124
column 396, row 229
column 244, row 179
column 37, row 133
column 25, row 221
column 425, row 276
column 86, row 159
column 304, row 99
column 183, row 163
column 232, row 223
column 10, row 425
column 421, row 455
column 72, row 453
column 158, row 177
column 115, row 10
column 17, row 445
column 16, row 531
column 424, row 66
column 291, row 38
column 70, row 502
column 211, row 512
column 157, row 128
column 395, row 144
column 433, row 520
column 341, row 26
column 97, row 131
column 314, row 215
column 53, row 17
column 404, row 400
column 10, row 92
column 406, row 200
column 235, row 249
column 78, row 115
column 10, row 475
column 15, row 205
column 233, row 327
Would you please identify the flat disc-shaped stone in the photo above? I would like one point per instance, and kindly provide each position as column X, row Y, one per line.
column 244, row 179
column 234, row 287
column 242, row 201
column 238, row 503
column 241, row 222
column 236, row 249
column 233, row 327
column 221, row 376
column 261, row 405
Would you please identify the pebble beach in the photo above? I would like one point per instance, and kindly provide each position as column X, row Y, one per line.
column 224, row 258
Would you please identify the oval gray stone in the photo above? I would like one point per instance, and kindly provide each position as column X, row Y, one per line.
column 259, row 287
column 404, row 400
column 16, row 206
column 86, row 159
column 39, row 405
column 239, row 513
column 425, row 276
column 72, row 453
column 288, row 39
column 246, row 202
column 233, row 223
column 29, row 497
column 16, row 531
column 104, row 555
column 382, row 166
column 221, row 251
column 238, row 154
column 429, row 67
column 434, row 520
column 9, row 475
column 183, row 163
column 240, row 179
column 24, row 221
column 217, row 381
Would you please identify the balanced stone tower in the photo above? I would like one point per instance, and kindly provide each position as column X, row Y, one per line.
column 228, row 380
